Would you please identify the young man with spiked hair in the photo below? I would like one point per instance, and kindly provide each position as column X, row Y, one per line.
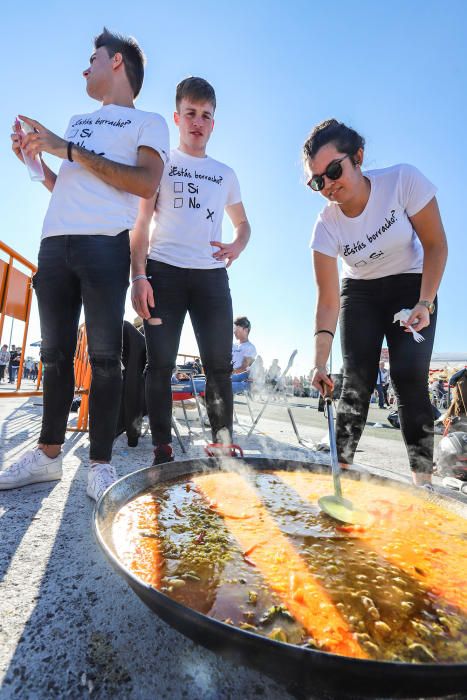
column 111, row 158
column 182, row 268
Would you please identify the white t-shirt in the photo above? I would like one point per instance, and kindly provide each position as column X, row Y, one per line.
column 240, row 351
column 189, row 211
column 381, row 240
column 81, row 203
column 383, row 376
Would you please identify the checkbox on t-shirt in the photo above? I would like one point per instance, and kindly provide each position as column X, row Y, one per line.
column 178, row 186
column 178, row 202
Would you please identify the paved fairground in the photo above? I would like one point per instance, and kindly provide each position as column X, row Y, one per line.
column 70, row 627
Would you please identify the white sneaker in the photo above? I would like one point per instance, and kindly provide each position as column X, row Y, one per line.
column 100, row 477
column 34, row 466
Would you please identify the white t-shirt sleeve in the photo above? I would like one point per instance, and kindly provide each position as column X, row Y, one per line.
column 415, row 189
column 154, row 133
column 234, row 195
column 323, row 241
column 250, row 351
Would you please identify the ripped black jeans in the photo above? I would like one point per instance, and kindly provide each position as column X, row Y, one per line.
column 205, row 294
column 74, row 272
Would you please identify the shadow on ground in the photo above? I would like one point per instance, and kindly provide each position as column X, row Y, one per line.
column 80, row 630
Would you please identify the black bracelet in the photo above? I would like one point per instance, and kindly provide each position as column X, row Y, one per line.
column 325, row 331
column 68, row 150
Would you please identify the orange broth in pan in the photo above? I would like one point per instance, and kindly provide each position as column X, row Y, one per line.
column 254, row 550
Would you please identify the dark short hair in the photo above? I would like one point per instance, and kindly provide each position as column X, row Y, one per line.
column 195, row 89
column 133, row 56
column 243, row 322
column 345, row 139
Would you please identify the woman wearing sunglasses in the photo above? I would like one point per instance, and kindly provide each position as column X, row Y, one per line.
column 386, row 228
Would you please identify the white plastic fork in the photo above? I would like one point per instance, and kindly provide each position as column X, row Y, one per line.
column 402, row 317
column 416, row 336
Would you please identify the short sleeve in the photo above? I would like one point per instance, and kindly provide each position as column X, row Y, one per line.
column 322, row 241
column 154, row 133
column 234, row 195
column 415, row 189
column 250, row 351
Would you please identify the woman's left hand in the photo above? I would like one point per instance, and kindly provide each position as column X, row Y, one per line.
column 418, row 319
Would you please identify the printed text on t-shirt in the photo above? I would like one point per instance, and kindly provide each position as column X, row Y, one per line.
column 351, row 249
column 184, row 172
column 99, row 120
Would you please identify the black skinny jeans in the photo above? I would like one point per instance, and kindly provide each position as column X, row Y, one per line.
column 205, row 294
column 76, row 271
column 367, row 311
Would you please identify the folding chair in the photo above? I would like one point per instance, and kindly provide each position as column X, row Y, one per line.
column 270, row 396
column 241, row 385
column 192, row 388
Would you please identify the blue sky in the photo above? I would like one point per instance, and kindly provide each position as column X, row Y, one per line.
column 394, row 71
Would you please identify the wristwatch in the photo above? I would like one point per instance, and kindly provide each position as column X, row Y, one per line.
column 428, row 304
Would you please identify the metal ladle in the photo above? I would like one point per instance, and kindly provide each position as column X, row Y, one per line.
column 337, row 506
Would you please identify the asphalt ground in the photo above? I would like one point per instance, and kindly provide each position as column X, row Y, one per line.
column 70, row 627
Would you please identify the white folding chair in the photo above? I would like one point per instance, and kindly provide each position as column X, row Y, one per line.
column 274, row 392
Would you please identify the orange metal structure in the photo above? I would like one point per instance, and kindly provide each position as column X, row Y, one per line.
column 83, row 376
column 15, row 302
column 82, row 380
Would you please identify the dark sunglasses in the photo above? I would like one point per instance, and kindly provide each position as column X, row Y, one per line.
column 332, row 172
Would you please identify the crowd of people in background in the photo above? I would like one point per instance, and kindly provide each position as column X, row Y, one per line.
column 9, row 365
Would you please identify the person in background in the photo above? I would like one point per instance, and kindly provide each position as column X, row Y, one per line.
column 197, row 366
column 243, row 350
column 386, row 227
column 13, row 365
column 4, row 361
column 34, row 371
column 257, row 373
column 29, row 366
column 439, row 390
column 273, row 374
column 110, row 158
column 382, row 383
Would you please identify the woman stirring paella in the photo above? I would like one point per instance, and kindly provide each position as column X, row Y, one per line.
column 386, row 228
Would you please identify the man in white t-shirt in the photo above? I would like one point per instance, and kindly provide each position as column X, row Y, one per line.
column 185, row 268
column 111, row 157
column 243, row 352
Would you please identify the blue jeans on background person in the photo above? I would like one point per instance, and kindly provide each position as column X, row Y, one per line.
column 73, row 272
column 382, row 395
column 205, row 294
column 367, row 314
